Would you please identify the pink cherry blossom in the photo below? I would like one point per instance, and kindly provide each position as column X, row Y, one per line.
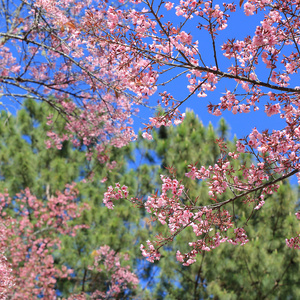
column 96, row 64
column 169, row 5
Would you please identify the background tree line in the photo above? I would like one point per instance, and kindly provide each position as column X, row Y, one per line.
column 262, row 269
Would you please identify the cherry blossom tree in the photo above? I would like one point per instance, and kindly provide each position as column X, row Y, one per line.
column 96, row 63
column 119, row 277
column 26, row 164
column 167, row 46
column 263, row 267
column 6, row 277
column 44, row 54
column 30, row 240
column 31, row 237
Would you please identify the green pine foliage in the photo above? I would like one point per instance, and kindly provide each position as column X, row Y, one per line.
column 264, row 268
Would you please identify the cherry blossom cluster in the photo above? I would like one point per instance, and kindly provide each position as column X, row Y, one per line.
column 150, row 253
column 6, row 277
column 71, row 74
column 240, row 237
column 275, row 30
column 210, row 226
column 169, row 208
column 164, row 46
column 119, row 278
column 260, row 203
column 175, row 209
column 30, row 238
column 214, row 13
column 294, row 242
column 222, row 176
column 115, row 193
